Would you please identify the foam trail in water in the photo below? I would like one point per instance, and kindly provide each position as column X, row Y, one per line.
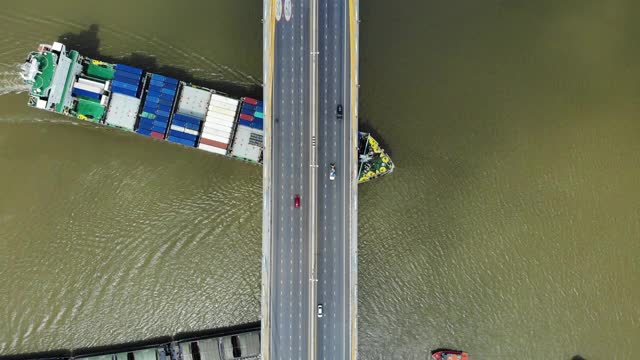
column 10, row 80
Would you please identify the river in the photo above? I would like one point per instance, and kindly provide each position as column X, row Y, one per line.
column 509, row 229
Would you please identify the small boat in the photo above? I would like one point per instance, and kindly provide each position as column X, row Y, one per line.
column 446, row 354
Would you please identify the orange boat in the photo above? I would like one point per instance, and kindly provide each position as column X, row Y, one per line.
column 449, row 355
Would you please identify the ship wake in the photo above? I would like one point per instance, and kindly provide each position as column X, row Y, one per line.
column 10, row 80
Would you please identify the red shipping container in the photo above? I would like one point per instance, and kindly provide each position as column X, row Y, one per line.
column 251, row 101
column 246, row 117
column 217, row 144
column 157, row 135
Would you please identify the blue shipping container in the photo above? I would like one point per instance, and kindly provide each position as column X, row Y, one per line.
column 152, row 99
column 247, row 111
column 124, row 85
column 156, row 82
column 125, row 74
column 154, row 94
column 166, row 97
column 164, row 119
column 164, row 108
column 144, row 126
column 189, row 119
column 171, row 81
column 181, row 141
column 150, row 106
column 159, row 129
column 259, row 109
column 182, row 135
column 161, row 124
column 165, row 102
column 115, row 89
column 144, row 132
column 144, row 120
column 248, row 106
column 89, row 94
column 157, row 77
column 126, row 80
column 155, row 89
column 163, row 113
column 169, row 91
column 178, row 122
column 192, row 126
column 128, row 68
column 244, row 122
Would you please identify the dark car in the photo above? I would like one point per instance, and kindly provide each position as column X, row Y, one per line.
column 339, row 111
column 296, row 201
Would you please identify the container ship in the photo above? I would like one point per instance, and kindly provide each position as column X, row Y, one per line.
column 161, row 107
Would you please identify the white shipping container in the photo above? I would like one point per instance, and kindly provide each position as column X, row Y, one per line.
column 224, row 99
column 221, row 139
column 227, row 121
column 177, row 128
column 221, row 105
column 88, row 87
column 212, row 149
column 211, row 132
column 222, row 121
column 217, row 110
column 91, row 82
column 218, row 126
column 219, row 118
column 216, row 132
column 189, row 131
column 184, row 130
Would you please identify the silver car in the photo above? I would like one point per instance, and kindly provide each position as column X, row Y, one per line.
column 332, row 172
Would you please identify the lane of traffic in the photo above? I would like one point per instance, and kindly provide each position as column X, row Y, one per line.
column 288, row 333
column 333, row 329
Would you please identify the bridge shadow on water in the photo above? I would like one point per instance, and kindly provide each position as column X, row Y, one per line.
column 87, row 43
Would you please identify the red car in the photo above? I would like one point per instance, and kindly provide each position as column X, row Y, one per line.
column 296, row 201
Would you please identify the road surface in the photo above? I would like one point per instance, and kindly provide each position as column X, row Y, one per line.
column 289, row 327
column 333, row 341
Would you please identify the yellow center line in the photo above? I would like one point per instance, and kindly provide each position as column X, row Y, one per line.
column 267, row 160
column 354, row 129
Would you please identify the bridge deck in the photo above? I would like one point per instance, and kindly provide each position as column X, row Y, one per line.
column 310, row 66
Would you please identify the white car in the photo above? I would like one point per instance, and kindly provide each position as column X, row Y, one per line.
column 319, row 310
column 332, row 172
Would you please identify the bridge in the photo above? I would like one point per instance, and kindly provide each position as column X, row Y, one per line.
column 310, row 252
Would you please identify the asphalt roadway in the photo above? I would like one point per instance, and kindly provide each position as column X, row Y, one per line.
column 310, row 246
column 289, row 300
column 333, row 329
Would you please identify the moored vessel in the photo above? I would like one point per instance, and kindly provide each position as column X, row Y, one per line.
column 447, row 354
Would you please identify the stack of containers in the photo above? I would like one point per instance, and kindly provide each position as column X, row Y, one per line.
column 184, row 130
column 252, row 114
column 157, row 106
column 88, row 88
column 218, row 124
column 126, row 80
